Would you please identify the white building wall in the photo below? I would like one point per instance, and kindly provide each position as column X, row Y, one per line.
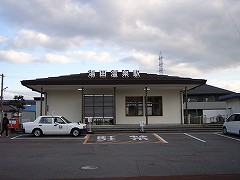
column 121, row 117
column 38, row 108
column 211, row 115
column 171, row 101
column 69, row 104
column 65, row 103
column 233, row 106
column 171, row 107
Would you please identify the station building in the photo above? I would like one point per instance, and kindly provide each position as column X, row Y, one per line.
column 111, row 98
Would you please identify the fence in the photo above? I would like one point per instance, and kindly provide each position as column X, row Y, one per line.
column 219, row 119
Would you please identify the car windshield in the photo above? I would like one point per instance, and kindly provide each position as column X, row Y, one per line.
column 67, row 121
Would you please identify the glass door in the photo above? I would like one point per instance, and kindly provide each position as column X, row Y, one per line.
column 99, row 107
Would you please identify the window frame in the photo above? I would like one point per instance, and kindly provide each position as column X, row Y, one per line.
column 46, row 120
column 152, row 105
column 97, row 108
column 136, row 101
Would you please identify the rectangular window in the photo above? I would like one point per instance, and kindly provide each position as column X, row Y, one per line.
column 134, row 106
column 154, row 106
column 98, row 106
column 46, row 120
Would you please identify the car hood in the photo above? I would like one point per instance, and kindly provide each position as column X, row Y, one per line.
column 27, row 123
column 76, row 124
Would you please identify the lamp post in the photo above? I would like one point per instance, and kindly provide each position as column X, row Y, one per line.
column 82, row 94
column 146, row 103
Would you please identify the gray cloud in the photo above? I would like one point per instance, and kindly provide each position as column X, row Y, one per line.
column 198, row 33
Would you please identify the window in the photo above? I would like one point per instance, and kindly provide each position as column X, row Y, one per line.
column 237, row 117
column 134, row 106
column 45, row 120
column 154, row 106
column 231, row 118
column 100, row 106
column 59, row 121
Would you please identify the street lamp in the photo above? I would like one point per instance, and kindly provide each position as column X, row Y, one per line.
column 146, row 89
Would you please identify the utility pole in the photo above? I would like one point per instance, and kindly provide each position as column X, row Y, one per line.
column 1, row 98
column 160, row 63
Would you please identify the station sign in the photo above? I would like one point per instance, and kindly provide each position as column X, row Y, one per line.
column 114, row 73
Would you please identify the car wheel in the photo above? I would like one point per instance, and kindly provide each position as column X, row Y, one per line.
column 37, row 132
column 225, row 130
column 75, row 132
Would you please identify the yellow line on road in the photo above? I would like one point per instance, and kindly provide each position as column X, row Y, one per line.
column 160, row 139
column 87, row 137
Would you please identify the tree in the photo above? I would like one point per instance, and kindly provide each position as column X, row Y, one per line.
column 18, row 102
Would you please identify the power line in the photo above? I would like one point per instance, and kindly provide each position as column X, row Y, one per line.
column 16, row 77
column 234, row 23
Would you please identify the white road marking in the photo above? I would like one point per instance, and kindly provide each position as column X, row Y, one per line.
column 227, row 136
column 163, row 140
column 16, row 136
column 194, row 137
column 46, row 138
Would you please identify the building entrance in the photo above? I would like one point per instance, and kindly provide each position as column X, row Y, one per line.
column 99, row 107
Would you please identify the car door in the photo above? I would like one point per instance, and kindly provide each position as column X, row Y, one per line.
column 236, row 124
column 232, row 124
column 46, row 125
column 60, row 126
column 229, row 123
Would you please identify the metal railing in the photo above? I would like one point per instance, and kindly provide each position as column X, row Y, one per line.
column 219, row 119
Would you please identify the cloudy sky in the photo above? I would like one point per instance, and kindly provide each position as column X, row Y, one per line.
column 43, row 38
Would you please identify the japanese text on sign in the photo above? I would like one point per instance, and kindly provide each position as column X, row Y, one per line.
column 105, row 138
column 139, row 138
column 114, row 73
column 113, row 138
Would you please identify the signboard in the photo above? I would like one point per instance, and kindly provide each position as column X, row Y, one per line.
column 114, row 73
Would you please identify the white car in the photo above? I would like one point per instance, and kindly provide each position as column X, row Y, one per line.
column 232, row 124
column 53, row 125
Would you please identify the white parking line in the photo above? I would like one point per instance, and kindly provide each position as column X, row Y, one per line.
column 16, row 136
column 227, row 136
column 160, row 138
column 194, row 137
column 46, row 138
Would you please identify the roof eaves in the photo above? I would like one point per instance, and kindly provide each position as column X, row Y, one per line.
column 83, row 79
column 230, row 96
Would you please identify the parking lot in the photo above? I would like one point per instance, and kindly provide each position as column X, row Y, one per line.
column 119, row 155
column 132, row 138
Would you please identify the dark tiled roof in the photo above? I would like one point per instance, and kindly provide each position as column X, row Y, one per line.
column 9, row 108
column 83, row 79
column 208, row 89
column 27, row 102
column 230, row 96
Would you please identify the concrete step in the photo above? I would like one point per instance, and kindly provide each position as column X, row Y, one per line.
column 157, row 128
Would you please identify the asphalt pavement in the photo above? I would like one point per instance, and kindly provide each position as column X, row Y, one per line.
column 129, row 156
